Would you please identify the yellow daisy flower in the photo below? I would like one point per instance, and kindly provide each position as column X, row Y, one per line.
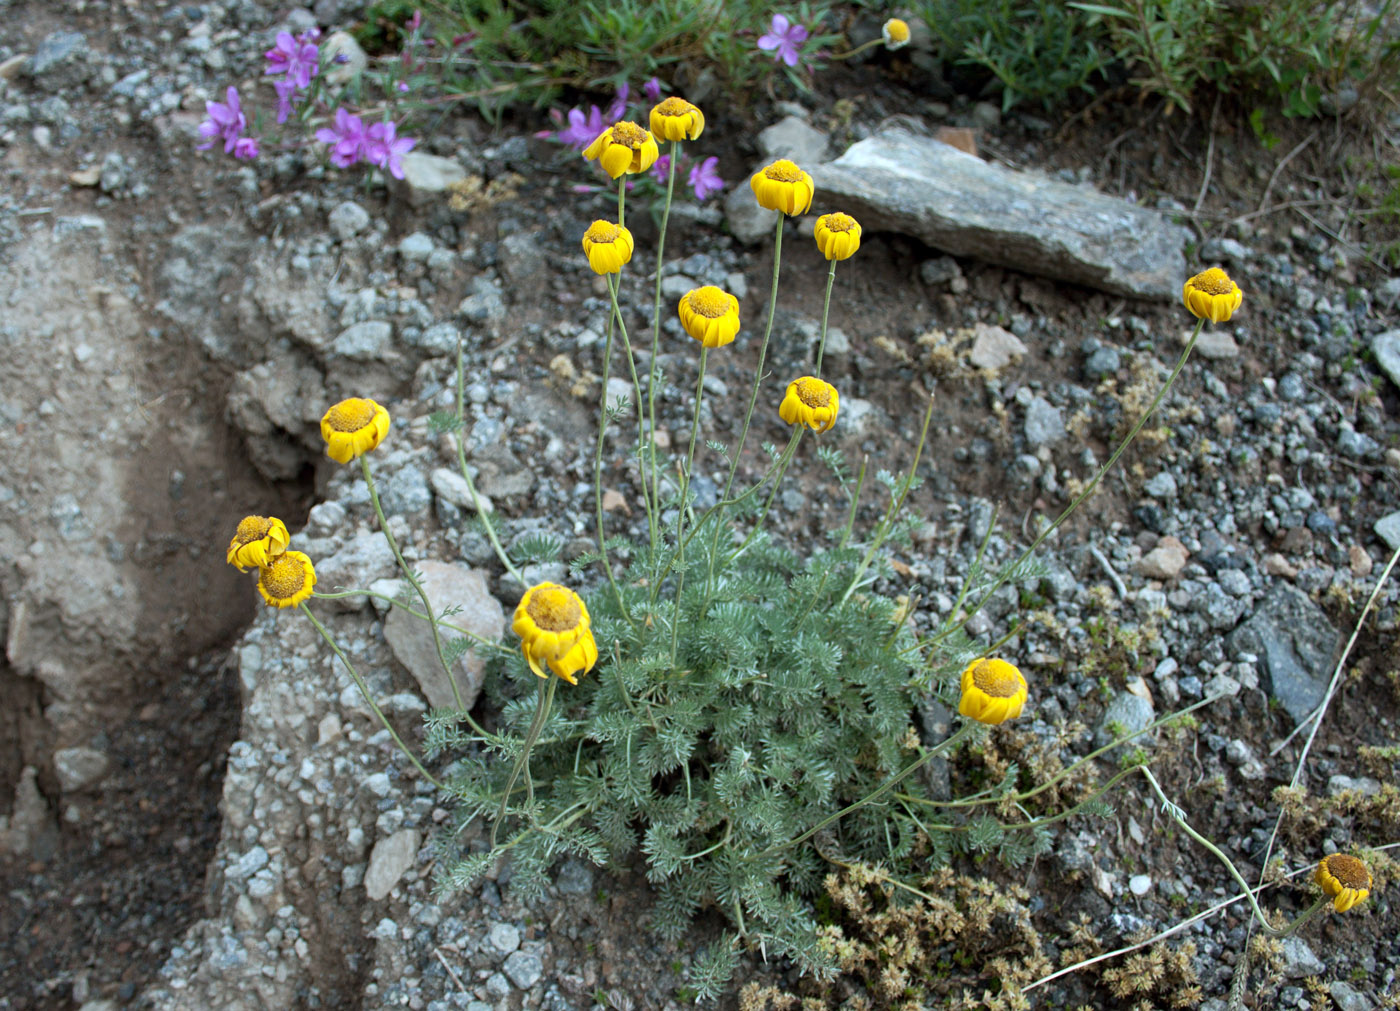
column 993, row 691
column 288, row 580
column 896, row 33
column 1343, row 879
column 710, row 315
column 623, row 148
column 554, row 628
column 784, row 187
column 608, row 247
column 353, row 427
column 810, row 401
column 838, row 236
column 676, row 119
column 258, row 540
column 1212, row 295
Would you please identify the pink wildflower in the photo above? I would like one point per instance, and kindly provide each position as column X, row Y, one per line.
column 705, row 180
column 225, row 120
column 784, row 40
column 348, row 138
column 300, row 61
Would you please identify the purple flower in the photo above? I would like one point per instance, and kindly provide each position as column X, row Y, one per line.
column 618, row 109
column 384, row 148
column 246, row 148
column 348, row 138
column 784, row 37
column 225, row 120
column 705, row 180
column 652, row 89
column 300, row 61
column 286, row 98
column 311, row 36
column 403, row 87
column 661, row 168
column 582, row 130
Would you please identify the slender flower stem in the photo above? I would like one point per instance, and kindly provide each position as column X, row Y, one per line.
column 1089, row 488
column 477, row 503
column 369, row 699
column 1175, row 814
column 656, row 340
column 784, row 461
column 945, row 745
column 762, row 353
column 413, row 581
column 613, row 285
column 826, row 309
column 522, row 762
column 598, row 477
column 685, row 504
column 621, row 200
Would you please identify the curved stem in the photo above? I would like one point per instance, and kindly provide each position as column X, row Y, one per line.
column 369, row 700
column 546, row 700
column 1089, row 488
column 482, row 513
column 784, row 461
column 413, row 581
column 395, row 602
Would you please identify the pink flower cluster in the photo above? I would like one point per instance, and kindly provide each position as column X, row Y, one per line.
column 379, row 143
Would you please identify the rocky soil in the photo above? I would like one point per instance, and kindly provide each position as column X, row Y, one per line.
column 196, row 809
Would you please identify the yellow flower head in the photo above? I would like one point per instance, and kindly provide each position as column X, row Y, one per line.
column 838, row 236
column 710, row 315
column 353, row 427
column 993, row 691
column 623, row 148
column 810, row 401
column 1343, row 879
column 608, row 247
column 288, row 580
column 896, row 33
column 258, row 540
column 553, row 625
column 784, row 187
column 1212, row 295
column 676, row 119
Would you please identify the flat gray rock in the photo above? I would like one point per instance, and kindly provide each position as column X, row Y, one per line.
column 1386, row 348
column 448, row 585
column 1388, row 529
column 1296, row 645
column 391, row 856
column 897, row 181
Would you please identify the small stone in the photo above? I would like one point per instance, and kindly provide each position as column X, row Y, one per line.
column 450, row 485
column 1161, row 486
column 1299, row 960
column 794, row 139
column 348, row 220
column 1346, row 997
column 1388, row 529
column 411, row 639
column 416, row 248
column 1215, row 344
column 1045, row 424
column 426, row 177
column 504, row 938
column 78, row 768
column 1140, row 884
column 391, row 856
column 1386, row 349
column 1165, row 561
column 365, row 341
column 575, row 877
column 1359, row 561
column 342, row 71
column 939, row 270
column 994, row 348
column 524, row 969
column 1127, row 714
